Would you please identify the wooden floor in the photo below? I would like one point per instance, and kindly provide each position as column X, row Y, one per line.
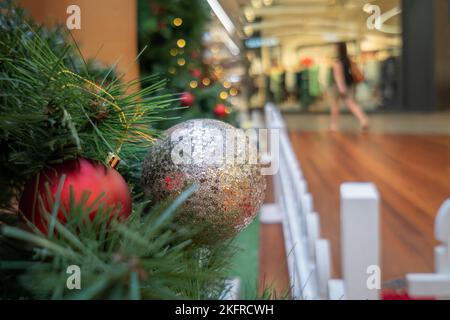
column 412, row 173
column 273, row 270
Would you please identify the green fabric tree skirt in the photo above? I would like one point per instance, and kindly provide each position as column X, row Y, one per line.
column 245, row 262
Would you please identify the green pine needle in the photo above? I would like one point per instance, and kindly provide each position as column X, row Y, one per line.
column 56, row 106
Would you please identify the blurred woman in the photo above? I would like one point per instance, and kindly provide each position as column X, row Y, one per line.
column 343, row 89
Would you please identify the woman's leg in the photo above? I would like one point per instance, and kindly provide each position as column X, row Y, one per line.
column 334, row 109
column 357, row 112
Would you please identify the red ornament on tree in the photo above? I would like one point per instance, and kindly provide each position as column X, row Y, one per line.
column 220, row 110
column 197, row 73
column 86, row 178
column 187, row 99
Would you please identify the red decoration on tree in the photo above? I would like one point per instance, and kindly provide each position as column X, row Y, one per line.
column 187, row 99
column 197, row 73
column 83, row 176
column 220, row 110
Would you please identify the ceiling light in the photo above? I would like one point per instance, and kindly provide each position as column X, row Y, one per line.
column 257, row 4
column 222, row 16
column 249, row 14
column 248, row 30
column 231, row 45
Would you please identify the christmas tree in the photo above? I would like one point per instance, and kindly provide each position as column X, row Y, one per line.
column 57, row 110
column 170, row 35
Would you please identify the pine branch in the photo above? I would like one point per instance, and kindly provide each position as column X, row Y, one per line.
column 52, row 110
column 55, row 107
column 146, row 257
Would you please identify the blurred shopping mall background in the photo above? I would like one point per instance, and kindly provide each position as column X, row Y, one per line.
column 282, row 50
column 290, row 47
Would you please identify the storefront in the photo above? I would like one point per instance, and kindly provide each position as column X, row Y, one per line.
column 293, row 48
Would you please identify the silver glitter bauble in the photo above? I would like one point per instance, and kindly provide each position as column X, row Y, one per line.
column 230, row 185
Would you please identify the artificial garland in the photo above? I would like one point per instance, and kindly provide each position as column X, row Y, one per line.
column 54, row 111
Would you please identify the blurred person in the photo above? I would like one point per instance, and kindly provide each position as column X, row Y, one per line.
column 345, row 76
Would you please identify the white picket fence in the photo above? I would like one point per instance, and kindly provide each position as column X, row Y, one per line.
column 308, row 255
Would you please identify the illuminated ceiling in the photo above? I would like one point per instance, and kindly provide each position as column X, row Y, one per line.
column 311, row 20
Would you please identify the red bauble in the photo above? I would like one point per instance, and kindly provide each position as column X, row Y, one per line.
column 220, row 110
column 187, row 99
column 197, row 73
column 82, row 176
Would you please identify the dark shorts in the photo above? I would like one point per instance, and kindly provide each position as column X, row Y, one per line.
column 335, row 92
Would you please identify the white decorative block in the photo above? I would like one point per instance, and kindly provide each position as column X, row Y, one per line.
column 442, row 223
column 428, row 285
column 323, row 266
column 313, row 231
column 360, row 238
column 303, row 187
column 232, row 289
column 441, row 259
column 336, row 289
column 307, row 203
column 270, row 214
column 436, row 284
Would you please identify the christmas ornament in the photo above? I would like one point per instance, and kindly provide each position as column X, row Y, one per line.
column 230, row 188
column 220, row 110
column 84, row 177
column 187, row 99
column 197, row 73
